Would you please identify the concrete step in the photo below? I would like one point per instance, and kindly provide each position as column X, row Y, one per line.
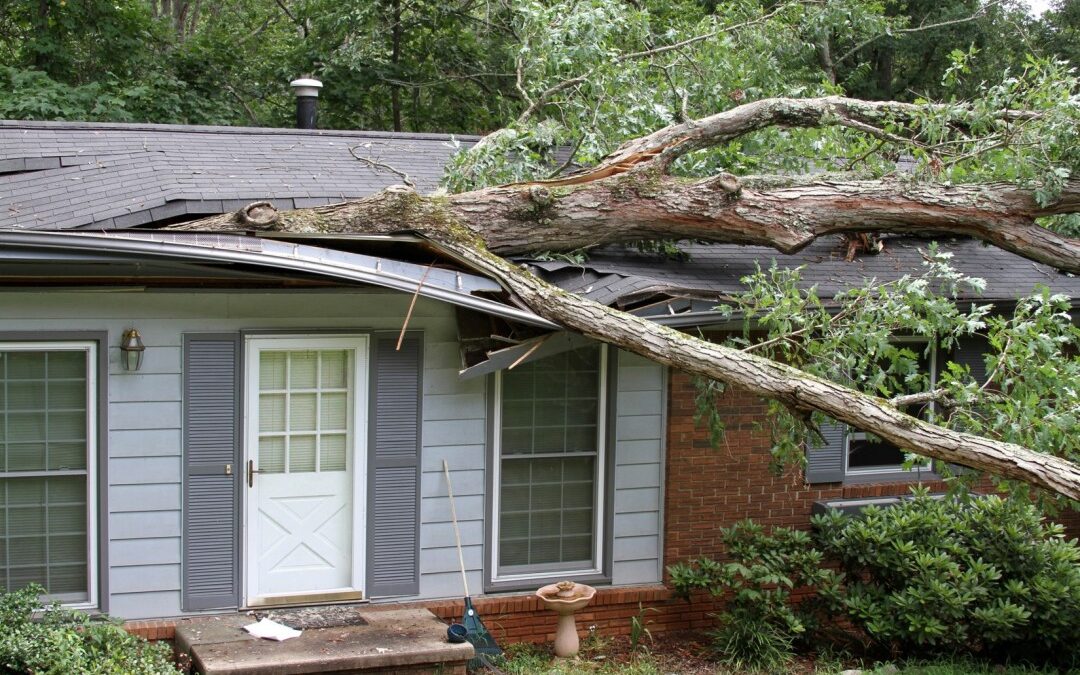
column 394, row 641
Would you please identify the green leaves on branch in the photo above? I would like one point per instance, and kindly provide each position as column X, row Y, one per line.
column 879, row 338
column 981, row 575
column 62, row 641
column 760, row 625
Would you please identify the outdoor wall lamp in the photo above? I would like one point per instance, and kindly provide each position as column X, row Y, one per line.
column 131, row 350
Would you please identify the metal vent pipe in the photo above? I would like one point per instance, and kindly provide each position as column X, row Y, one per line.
column 307, row 102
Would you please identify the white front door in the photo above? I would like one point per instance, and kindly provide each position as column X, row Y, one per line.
column 306, row 428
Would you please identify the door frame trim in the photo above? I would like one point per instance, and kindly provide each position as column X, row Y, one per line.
column 360, row 385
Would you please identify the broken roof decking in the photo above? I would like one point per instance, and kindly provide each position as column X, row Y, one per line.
column 626, row 277
column 70, row 175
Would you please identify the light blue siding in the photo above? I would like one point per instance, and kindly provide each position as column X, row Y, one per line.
column 639, row 471
column 144, row 498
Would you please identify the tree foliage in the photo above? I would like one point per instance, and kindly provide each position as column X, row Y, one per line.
column 455, row 66
column 863, row 338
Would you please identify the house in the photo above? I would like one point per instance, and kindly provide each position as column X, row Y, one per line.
column 195, row 422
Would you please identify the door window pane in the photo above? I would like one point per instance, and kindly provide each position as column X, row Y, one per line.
column 304, row 404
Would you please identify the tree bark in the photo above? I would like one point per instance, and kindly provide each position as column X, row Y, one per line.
column 628, row 197
column 643, row 205
column 462, row 232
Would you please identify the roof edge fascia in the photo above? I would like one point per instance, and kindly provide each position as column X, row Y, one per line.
column 320, row 261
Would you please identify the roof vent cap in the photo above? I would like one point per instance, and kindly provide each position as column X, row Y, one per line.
column 306, row 86
column 307, row 101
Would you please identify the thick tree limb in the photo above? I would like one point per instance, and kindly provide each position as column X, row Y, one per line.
column 770, row 379
column 785, row 215
column 463, row 232
column 629, row 197
column 664, row 146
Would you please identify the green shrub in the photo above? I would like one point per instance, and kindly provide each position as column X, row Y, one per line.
column 980, row 575
column 58, row 641
column 759, row 626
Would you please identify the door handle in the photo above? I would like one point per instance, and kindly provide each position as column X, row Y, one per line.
column 251, row 472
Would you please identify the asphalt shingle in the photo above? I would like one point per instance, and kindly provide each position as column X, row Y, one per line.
column 66, row 175
column 622, row 275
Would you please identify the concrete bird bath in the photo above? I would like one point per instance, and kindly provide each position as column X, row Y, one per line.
column 565, row 598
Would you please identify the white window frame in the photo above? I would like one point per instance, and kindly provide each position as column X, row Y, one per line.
column 599, row 481
column 855, row 434
column 90, row 347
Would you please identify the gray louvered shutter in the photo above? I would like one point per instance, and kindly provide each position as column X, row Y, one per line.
column 971, row 352
column 394, row 467
column 211, row 444
column 825, row 464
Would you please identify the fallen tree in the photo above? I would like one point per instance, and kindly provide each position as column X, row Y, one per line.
column 632, row 196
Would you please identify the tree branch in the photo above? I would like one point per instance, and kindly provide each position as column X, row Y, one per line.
column 465, row 229
column 543, row 97
column 918, row 29
column 665, row 146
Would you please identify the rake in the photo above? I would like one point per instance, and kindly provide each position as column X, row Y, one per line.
column 475, row 631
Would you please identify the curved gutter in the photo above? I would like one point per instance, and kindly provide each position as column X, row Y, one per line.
column 448, row 286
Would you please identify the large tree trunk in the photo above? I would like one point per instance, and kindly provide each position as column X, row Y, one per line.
column 463, row 230
column 629, row 197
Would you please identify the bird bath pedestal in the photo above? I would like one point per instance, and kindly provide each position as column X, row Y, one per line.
column 565, row 598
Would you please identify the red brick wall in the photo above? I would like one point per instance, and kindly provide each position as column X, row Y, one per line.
column 521, row 618
column 708, row 488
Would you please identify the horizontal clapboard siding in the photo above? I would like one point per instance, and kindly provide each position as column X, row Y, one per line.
column 639, row 470
column 145, row 408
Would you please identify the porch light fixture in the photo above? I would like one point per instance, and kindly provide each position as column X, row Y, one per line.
column 131, row 350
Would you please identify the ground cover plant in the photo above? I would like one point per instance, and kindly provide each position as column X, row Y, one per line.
column 687, row 654
column 58, row 641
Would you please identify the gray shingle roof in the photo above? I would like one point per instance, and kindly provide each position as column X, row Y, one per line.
column 64, row 175
column 70, row 175
column 624, row 276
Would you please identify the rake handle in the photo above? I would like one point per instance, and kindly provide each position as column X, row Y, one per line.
column 457, row 532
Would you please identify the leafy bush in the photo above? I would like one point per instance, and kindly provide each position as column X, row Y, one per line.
column 759, row 626
column 64, row 642
column 980, row 575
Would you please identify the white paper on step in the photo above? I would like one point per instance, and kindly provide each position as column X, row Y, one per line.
column 272, row 630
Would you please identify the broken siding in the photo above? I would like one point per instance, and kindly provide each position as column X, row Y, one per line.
column 145, row 491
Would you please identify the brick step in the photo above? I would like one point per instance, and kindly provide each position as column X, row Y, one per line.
column 391, row 641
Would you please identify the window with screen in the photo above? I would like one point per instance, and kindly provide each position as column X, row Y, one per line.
column 47, row 450
column 867, row 454
column 550, row 457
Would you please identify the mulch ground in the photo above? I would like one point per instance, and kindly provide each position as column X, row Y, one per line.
column 675, row 653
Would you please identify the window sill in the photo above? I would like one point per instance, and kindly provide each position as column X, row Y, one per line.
column 891, row 477
column 533, row 583
column 854, row 506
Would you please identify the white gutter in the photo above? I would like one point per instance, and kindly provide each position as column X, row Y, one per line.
column 448, row 286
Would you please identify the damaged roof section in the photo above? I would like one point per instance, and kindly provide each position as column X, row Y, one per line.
column 111, row 256
column 662, row 288
column 70, row 175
